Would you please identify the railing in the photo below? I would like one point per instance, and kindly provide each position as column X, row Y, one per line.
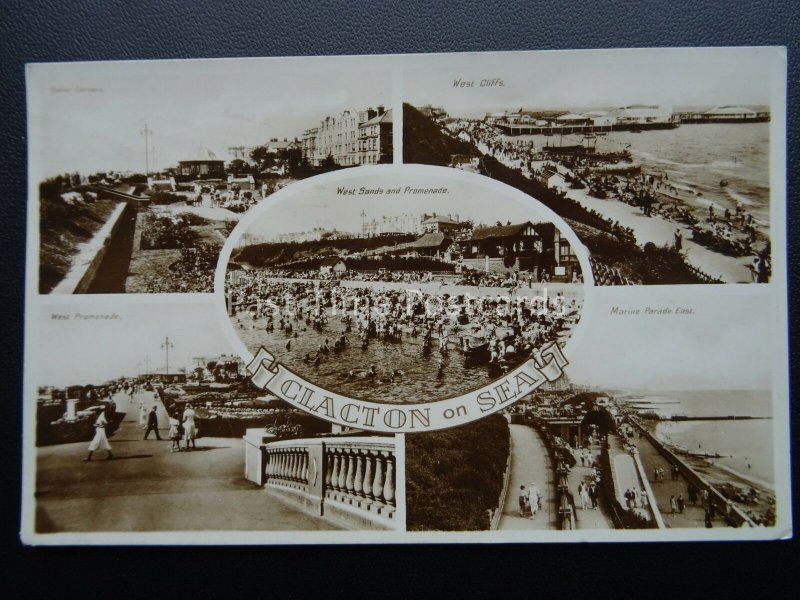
column 702, row 275
column 351, row 480
column 605, row 275
column 733, row 514
column 565, row 503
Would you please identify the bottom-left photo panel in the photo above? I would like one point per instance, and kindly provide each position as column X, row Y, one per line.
column 146, row 420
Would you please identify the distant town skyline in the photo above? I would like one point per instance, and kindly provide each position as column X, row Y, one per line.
column 323, row 208
column 89, row 117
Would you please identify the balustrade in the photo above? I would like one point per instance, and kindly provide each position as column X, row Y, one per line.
column 364, row 473
column 287, row 465
column 356, row 473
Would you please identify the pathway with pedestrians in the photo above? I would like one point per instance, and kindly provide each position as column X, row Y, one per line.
column 693, row 515
column 589, row 518
column 147, row 487
column 530, row 463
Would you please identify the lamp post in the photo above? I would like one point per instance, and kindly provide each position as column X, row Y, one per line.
column 146, row 133
column 167, row 345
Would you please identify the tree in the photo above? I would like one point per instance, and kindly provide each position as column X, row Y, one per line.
column 293, row 157
column 263, row 158
column 239, row 166
column 328, row 162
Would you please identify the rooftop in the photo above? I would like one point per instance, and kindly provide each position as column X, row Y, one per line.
column 499, row 231
column 430, row 240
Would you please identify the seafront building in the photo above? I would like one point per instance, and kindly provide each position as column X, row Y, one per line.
column 409, row 223
column 204, row 162
column 354, row 137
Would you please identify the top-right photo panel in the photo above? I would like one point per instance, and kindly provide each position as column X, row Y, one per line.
column 662, row 161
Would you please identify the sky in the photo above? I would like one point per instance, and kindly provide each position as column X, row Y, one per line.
column 89, row 116
column 575, row 80
column 323, row 207
column 725, row 345
column 87, row 352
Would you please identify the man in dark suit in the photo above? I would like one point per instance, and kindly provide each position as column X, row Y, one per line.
column 152, row 424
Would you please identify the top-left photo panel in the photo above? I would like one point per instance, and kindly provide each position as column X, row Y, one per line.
column 138, row 171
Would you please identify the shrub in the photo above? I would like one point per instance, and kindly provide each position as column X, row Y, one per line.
column 455, row 476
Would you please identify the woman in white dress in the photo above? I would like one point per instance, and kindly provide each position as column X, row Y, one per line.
column 142, row 415
column 534, row 497
column 584, row 494
column 100, row 440
column 189, row 427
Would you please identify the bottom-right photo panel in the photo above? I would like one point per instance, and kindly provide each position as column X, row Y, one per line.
column 670, row 420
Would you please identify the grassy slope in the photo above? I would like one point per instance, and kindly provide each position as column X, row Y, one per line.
column 425, row 143
column 454, row 476
column 265, row 255
column 62, row 229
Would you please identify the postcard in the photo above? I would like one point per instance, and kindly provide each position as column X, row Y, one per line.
column 486, row 297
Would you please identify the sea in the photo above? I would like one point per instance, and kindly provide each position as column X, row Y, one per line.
column 696, row 158
column 746, row 446
column 420, row 378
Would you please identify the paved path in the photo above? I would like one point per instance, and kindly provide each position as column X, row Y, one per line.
column 530, row 462
column 590, row 518
column 150, row 488
column 692, row 516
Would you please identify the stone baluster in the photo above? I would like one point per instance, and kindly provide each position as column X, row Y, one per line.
column 342, row 471
column 328, row 466
column 304, row 469
column 284, row 464
column 270, row 464
column 278, row 469
column 292, row 466
column 377, row 485
column 297, row 464
column 358, row 480
column 388, row 488
column 368, row 473
column 351, row 470
column 332, row 479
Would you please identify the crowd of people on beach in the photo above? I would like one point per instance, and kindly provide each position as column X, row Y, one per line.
column 613, row 176
column 504, row 328
column 351, row 275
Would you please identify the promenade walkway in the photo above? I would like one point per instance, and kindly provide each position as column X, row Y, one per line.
column 530, row 463
column 693, row 515
column 589, row 518
column 654, row 229
column 147, row 487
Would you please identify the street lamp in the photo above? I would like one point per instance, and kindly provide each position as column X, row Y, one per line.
column 167, row 345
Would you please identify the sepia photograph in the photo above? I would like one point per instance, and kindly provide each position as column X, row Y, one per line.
column 619, row 445
column 661, row 159
column 143, row 172
column 150, row 424
column 258, row 314
column 403, row 293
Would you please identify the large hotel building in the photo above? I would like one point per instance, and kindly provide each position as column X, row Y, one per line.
column 355, row 137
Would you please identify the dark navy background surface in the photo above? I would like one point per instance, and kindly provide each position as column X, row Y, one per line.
column 60, row 30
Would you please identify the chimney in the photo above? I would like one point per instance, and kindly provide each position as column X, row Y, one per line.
column 381, row 110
